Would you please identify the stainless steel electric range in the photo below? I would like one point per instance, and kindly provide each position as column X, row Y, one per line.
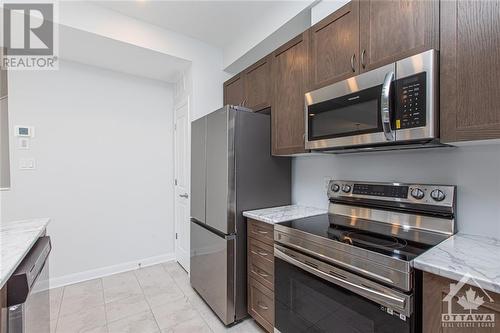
column 351, row 270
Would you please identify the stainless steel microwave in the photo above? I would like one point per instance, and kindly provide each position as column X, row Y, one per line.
column 389, row 107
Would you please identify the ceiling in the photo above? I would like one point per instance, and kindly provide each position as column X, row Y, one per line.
column 220, row 23
column 134, row 60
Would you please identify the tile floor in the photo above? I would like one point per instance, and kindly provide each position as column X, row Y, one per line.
column 155, row 299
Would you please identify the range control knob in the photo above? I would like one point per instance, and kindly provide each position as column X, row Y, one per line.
column 346, row 188
column 417, row 193
column 335, row 187
column 438, row 195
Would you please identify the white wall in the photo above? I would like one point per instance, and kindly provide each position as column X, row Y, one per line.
column 104, row 152
column 206, row 68
column 263, row 29
column 324, row 8
column 474, row 169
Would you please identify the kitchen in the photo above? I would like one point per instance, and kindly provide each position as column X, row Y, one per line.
column 343, row 170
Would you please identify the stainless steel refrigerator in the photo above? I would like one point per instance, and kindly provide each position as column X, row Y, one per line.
column 232, row 170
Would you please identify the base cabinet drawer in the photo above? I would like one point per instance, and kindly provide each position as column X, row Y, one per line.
column 261, row 270
column 261, row 231
column 261, row 304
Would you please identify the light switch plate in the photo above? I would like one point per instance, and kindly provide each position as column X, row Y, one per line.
column 23, row 143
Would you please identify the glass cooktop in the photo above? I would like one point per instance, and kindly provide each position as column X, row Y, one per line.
column 377, row 237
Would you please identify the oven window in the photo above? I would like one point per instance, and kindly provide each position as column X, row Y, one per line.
column 306, row 303
column 346, row 116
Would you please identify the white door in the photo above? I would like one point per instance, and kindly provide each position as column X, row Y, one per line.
column 182, row 175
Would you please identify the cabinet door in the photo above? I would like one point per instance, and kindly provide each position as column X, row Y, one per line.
column 234, row 91
column 469, row 62
column 258, row 85
column 394, row 29
column 335, row 46
column 290, row 83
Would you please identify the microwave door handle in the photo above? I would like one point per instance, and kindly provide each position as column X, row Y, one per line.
column 385, row 107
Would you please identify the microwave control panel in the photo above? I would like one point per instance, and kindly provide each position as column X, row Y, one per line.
column 411, row 101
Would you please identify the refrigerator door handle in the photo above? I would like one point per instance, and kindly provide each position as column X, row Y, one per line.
column 213, row 230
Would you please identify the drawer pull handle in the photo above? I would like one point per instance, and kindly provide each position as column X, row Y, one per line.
column 261, row 253
column 262, row 306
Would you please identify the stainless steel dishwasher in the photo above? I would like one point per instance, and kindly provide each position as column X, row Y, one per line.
column 28, row 299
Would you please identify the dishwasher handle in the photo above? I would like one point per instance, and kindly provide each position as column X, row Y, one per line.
column 22, row 280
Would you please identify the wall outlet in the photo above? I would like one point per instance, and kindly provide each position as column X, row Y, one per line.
column 27, row 164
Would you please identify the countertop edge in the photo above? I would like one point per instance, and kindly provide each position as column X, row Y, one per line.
column 447, row 268
column 294, row 212
column 40, row 230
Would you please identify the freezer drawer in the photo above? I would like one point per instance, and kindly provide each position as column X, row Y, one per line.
column 212, row 270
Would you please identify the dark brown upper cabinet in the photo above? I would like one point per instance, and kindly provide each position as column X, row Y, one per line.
column 395, row 29
column 258, row 85
column 290, row 82
column 469, row 62
column 335, row 46
column 234, row 91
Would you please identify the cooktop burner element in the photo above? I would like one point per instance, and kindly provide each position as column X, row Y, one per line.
column 366, row 239
column 324, row 226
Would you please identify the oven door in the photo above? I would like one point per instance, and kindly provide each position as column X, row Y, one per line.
column 354, row 112
column 311, row 296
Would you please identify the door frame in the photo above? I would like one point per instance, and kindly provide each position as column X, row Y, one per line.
column 185, row 101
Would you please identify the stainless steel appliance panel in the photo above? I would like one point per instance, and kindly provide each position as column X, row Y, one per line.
column 28, row 299
column 339, row 89
column 220, row 161
column 198, row 168
column 424, row 62
column 212, row 270
column 313, row 297
column 261, row 181
column 33, row 316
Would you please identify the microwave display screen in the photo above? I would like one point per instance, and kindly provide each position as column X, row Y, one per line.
column 349, row 115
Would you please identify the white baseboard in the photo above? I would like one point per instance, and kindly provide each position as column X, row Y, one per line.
column 109, row 270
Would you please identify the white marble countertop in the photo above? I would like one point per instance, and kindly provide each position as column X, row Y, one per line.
column 463, row 254
column 16, row 239
column 284, row 213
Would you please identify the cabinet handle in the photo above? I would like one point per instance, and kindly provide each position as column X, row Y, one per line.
column 262, row 253
column 260, row 232
column 352, row 63
column 262, row 306
column 363, row 58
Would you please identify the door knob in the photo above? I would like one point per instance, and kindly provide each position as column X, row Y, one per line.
column 185, row 195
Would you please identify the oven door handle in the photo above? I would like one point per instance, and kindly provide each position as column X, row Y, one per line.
column 385, row 107
column 392, row 301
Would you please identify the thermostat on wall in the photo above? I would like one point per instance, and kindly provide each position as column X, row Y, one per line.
column 25, row 131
